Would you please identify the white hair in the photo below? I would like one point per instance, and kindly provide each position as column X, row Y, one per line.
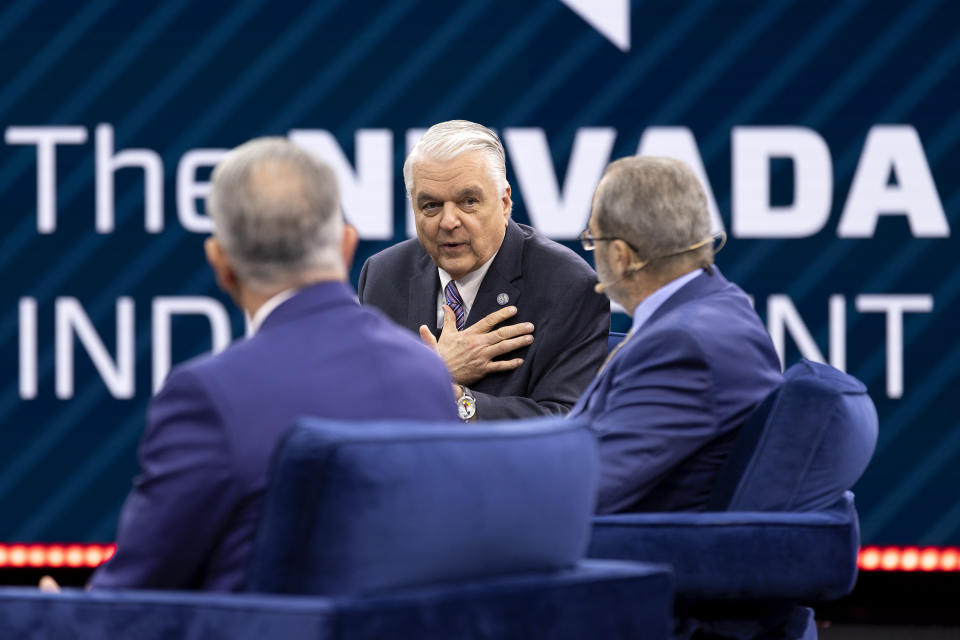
column 447, row 140
column 276, row 213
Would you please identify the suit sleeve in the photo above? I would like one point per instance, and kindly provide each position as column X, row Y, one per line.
column 182, row 499
column 658, row 412
column 577, row 347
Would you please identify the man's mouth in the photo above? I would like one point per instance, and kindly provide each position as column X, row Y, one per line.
column 452, row 246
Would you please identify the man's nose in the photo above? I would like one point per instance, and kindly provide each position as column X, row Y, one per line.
column 450, row 217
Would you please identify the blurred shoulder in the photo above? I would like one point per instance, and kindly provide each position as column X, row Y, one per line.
column 396, row 255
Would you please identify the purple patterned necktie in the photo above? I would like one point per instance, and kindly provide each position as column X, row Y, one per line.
column 455, row 302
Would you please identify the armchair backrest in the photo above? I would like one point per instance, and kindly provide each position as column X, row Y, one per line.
column 803, row 447
column 356, row 507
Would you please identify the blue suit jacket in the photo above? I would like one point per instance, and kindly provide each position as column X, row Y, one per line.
column 191, row 516
column 669, row 404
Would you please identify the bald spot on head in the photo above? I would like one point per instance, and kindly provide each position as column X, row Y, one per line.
column 276, row 213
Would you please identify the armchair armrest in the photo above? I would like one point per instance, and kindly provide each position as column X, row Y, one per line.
column 741, row 555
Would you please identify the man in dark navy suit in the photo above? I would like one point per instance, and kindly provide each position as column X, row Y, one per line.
column 670, row 400
column 520, row 327
column 282, row 251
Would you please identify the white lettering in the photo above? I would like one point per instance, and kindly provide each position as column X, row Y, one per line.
column 894, row 149
column 558, row 216
column 70, row 318
column 894, row 306
column 189, row 190
column 782, row 317
column 107, row 163
column 367, row 193
column 28, row 348
column 46, row 139
column 838, row 332
column 753, row 216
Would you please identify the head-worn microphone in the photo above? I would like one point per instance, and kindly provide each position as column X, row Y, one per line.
column 600, row 287
column 633, row 267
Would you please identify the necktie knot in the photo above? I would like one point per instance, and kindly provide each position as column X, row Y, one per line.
column 455, row 302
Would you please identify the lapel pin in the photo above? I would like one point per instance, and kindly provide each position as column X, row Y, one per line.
column 502, row 299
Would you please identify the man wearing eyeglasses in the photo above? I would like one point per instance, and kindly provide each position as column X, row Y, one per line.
column 669, row 401
column 512, row 313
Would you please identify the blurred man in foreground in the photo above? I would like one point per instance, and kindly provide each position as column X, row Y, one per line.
column 281, row 250
column 672, row 397
column 472, row 268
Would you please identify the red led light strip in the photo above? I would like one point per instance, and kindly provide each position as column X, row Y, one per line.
column 89, row 556
column 909, row 559
column 54, row 556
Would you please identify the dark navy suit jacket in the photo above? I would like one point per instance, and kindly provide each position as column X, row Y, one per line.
column 550, row 285
column 190, row 519
column 669, row 404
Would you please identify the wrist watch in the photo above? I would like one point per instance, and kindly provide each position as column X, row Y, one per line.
column 466, row 405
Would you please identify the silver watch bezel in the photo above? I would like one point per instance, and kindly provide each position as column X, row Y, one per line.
column 466, row 406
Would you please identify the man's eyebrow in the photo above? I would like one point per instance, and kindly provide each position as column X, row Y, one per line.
column 467, row 192
column 426, row 197
column 471, row 192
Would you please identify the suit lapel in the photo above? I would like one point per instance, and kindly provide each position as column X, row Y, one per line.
column 422, row 295
column 504, row 276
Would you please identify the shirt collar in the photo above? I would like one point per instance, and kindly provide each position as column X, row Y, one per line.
column 254, row 323
column 655, row 300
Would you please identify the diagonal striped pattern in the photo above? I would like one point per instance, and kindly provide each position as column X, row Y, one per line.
column 452, row 295
column 175, row 75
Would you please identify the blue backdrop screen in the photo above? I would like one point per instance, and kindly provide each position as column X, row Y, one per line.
column 826, row 134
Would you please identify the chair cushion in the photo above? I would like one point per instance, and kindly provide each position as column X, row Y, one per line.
column 806, row 444
column 355, row 507
column 741, row 555
column 594, row 599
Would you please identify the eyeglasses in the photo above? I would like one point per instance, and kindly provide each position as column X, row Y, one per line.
column 589, row 243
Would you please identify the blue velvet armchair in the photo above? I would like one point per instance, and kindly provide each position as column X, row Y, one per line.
column 400, row 530
column 781, row 527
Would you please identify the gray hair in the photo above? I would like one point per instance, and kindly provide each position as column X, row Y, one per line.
column 276, row 212
column 447, row 140
column 657, row 205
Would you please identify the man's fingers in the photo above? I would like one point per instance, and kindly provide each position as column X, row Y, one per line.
column 496, row 318
column 506, row 346
column 510, row 331
column 504, row 365
column 428, row 338
column 49, row 585
column 449, row 320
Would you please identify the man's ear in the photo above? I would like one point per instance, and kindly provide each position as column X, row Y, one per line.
column 348, row 246
column 507, row 205
column 621, row 256
column 222, row 270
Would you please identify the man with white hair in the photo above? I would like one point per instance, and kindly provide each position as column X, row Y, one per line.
column 281, row 249
column 671, row 398
column 513, row 314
